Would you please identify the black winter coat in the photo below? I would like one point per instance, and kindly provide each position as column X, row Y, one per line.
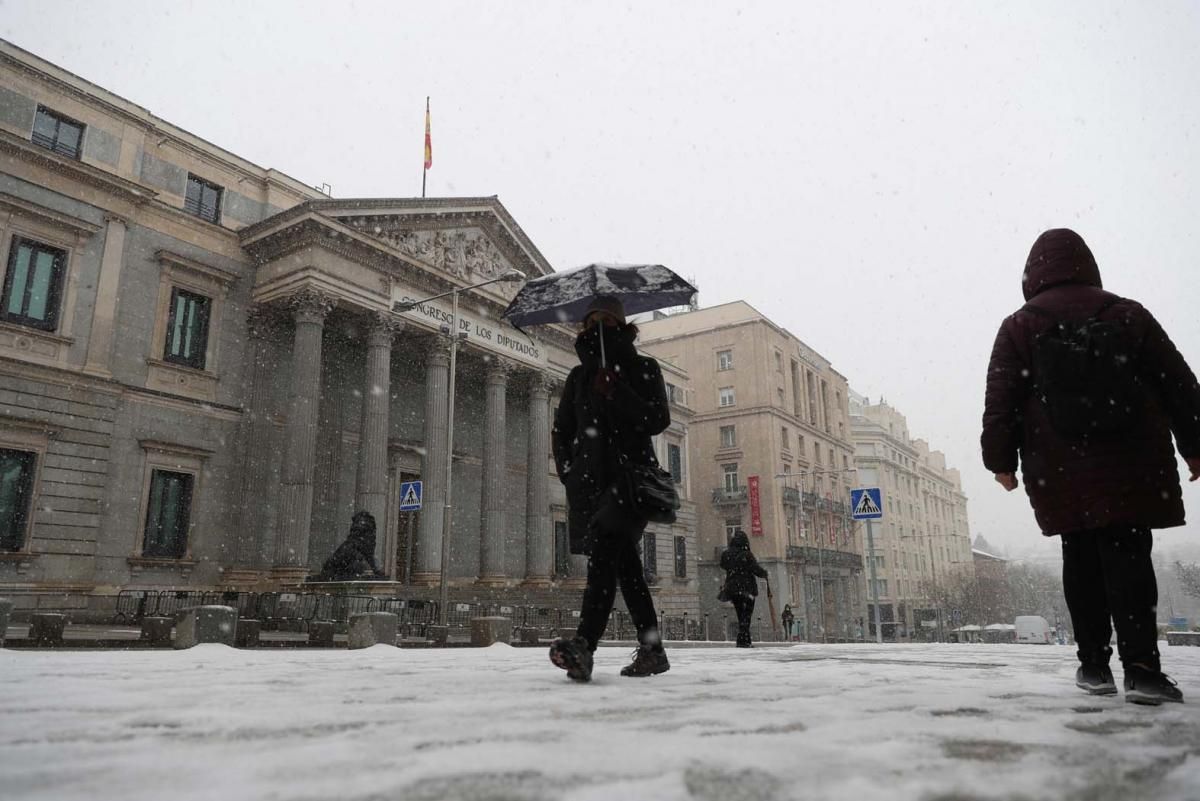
column 741, row 567
column 1074, row 486
column 592, row 433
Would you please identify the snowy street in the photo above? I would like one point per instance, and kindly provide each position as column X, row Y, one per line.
column 807, row 722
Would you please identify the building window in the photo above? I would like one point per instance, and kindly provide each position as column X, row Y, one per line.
column 675, row 462
column 33, row 284
column 562, row 550
column 779, row 394
column 730, row 471
column 812, row 398
column 187, row 328
column 728, row 436
column 825, row 405
column 16, row 492
column 650, row 554
column 732, row 526
column 680, row 557
column 816, row 453
column 881, row 589
column 58, row 133
column 784, row 437
column 778, row 362
column 203, row 199
column 168, row 515
column 724, row 360
column 725, row 396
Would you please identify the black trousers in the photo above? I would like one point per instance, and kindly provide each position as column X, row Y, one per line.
column 1108, row 579
column 614, row 560
column 744, row 606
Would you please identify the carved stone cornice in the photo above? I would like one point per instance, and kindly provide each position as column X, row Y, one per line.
column 310, row 306
column 77, row 170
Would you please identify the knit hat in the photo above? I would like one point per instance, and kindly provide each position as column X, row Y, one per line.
column 608, row 305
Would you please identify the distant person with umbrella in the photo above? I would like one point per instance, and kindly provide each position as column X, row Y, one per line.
column 741, row 587
column 613, row 402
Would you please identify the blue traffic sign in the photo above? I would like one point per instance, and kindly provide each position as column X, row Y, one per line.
column 866, row 503
column 410, row 496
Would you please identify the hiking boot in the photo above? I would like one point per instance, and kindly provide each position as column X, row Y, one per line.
column 648, row 660
column 1150, row 687
column 573, row 656
column 1095, row 680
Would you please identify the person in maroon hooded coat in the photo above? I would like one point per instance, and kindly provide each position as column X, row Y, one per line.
column 1101, row 494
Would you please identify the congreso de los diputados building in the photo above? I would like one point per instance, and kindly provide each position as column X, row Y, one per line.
column 203, row 374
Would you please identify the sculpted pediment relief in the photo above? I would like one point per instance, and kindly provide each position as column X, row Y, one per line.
column 466, row 253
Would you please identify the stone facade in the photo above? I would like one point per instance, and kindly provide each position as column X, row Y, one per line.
column 770, row 452
column 219, row 385
column 924, row 538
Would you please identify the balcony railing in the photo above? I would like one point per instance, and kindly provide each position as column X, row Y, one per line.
column 791, row 495
column 725, row 495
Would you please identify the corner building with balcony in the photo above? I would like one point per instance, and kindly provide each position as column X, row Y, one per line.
column 770, row 450
column 202, row 376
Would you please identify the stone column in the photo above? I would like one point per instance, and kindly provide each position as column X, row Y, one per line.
column 372, row 481
column 539, row 534
column 309, row 309
column 104, row 313
column 427, row 562
column 261, row 324
column 495, row 430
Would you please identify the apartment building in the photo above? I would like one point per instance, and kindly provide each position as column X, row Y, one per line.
column 770, row 443
column 924, row 537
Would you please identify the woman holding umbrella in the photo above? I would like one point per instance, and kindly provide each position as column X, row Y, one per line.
column 613, row 402
column 611, row 406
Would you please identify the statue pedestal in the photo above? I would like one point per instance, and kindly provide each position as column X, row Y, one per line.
column 376, row 589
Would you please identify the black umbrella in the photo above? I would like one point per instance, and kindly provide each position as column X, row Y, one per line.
column 565, row 297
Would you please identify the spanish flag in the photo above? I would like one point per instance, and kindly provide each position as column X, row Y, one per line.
column 428, row 138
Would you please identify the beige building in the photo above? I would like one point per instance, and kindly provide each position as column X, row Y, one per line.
column 203, row 374
column 924, row 537
column 770, row 449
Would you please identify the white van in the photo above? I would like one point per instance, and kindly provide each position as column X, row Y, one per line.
column 1033, row 629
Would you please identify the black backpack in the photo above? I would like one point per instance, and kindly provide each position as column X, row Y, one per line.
column 1085, row 373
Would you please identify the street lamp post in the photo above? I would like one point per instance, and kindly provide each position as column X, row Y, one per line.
column 454, row 336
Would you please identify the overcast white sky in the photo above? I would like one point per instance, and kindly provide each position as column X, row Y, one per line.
column 871, row 176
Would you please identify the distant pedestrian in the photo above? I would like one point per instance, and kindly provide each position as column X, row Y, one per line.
column 611, row 406
column 740, row 568
column 1087, row 389
column 788, row 619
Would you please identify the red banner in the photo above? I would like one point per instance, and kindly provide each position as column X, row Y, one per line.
column 755, row 508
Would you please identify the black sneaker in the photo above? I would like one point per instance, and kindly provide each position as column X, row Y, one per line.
column 573, row 656
column 647, row 661
column 1095, row 680
column 1150, row 687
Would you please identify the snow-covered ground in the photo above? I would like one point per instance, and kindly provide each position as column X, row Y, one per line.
column 810, row 722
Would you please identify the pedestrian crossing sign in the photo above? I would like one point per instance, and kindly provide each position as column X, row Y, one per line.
column 866, row 503
column 410, row 496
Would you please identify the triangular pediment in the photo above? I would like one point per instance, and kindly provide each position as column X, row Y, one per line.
column 468, row 239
